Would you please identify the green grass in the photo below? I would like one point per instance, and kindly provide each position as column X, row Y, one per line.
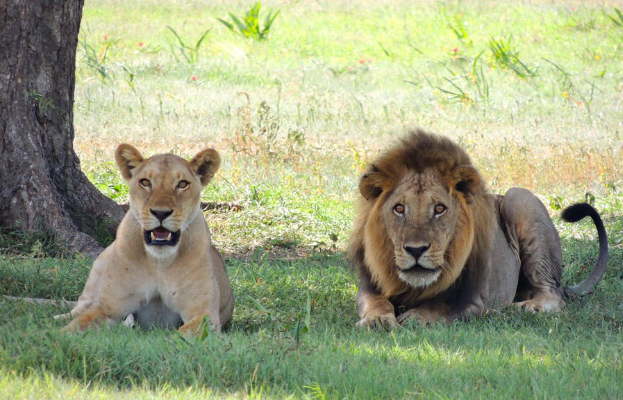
column 533, row 91
column 508, row 354
column 345, row 78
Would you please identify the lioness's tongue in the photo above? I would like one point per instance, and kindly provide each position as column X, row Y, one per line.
column 161, row 234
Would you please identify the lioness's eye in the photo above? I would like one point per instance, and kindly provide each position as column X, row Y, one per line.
column 183, row 184
column 440, row 209
column 145, row 183
column 399, row 209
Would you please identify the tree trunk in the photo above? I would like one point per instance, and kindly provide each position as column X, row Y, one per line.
column 41, row 185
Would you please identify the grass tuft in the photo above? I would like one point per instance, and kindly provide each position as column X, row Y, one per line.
column 249, row 25
column 504, row 54
column 189, row 53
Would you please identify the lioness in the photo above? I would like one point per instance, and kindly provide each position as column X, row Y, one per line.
column 431, row 244
column 162, row 266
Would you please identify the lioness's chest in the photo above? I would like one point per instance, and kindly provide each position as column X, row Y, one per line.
column 159, row 305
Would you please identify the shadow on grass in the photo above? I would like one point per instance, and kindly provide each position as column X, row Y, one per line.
column 575, row 353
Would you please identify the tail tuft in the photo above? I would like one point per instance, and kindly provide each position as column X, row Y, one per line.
column 575, row 213
column 578, row 211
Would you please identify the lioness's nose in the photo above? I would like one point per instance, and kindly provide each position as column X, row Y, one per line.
column 161, row 214
column 416, row 252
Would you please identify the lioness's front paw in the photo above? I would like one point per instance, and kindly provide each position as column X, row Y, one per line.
column 69, row 328
column 196, row 327
column 379, row 321
column 63, row 316
column 84, row 321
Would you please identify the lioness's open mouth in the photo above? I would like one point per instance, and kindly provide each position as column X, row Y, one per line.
column 161, row 237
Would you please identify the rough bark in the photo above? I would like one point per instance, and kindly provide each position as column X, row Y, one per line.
column 41, row 184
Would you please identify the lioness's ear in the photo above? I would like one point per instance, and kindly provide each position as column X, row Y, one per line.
column 370, row 184
column 205, row 164
column 127, row 158
column 466, row 180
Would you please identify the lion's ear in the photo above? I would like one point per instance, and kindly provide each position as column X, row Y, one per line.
column 466, row 180
column 370, row 184
column 205, row 164
column 127, row 159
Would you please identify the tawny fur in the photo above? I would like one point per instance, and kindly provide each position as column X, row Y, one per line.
column 484, row 246
column 164, row 285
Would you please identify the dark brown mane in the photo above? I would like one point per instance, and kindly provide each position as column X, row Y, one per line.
column 417, row 151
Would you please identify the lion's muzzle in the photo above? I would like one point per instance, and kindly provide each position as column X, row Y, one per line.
column 415, row 265
column 419, row 269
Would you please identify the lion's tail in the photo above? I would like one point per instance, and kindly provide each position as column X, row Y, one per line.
column 574, row 213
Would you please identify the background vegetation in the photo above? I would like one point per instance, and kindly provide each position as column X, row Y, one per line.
column 533, row 91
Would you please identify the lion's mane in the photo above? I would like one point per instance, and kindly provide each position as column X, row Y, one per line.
column 371, row 250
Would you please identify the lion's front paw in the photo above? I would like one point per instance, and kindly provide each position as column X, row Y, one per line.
column 421, row 316
column 379, row 321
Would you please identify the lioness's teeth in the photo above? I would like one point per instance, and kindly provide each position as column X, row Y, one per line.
column 169, row 236
column 153, row 237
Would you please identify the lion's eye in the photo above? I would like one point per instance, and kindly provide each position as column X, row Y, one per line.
column 145, row 183
column 399, row 209
column 183, row 184
column 440, row 209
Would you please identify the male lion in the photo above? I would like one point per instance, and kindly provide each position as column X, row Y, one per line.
column 162, row 266
column 431, row 244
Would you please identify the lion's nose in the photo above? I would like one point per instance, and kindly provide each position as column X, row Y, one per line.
column 161, row 214
column 416, row 252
